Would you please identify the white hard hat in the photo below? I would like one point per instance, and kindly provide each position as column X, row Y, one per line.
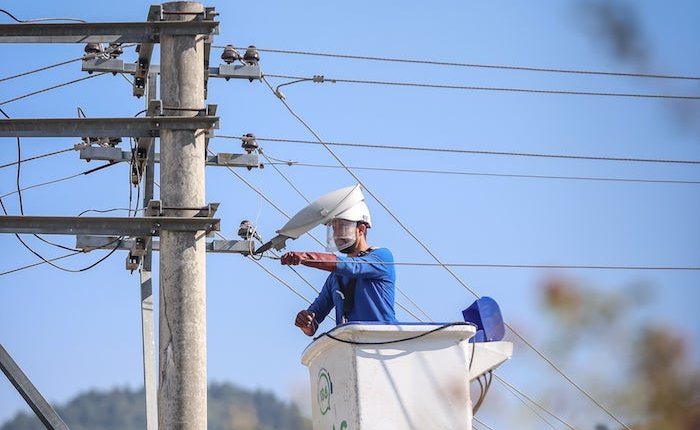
column 358, row 212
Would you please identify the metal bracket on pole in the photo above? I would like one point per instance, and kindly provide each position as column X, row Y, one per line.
column 145, row 50
column 226, row 71
column 29, row 393
column 143, row 146
column 116, row 155
column 236, row 71
column 123, row 127
column 123, row 226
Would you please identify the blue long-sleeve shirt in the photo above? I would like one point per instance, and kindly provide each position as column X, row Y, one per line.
column 374, row 288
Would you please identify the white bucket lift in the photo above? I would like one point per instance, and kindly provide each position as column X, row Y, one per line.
column 403, row 376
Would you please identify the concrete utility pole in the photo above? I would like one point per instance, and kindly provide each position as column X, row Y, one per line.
column 182, row 391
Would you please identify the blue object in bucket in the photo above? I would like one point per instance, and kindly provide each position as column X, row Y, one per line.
column 486, row 315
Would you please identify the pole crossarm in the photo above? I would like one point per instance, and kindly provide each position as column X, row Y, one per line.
column 103, row 32
column 120, row 226
column 103, row 127
column 91, row 242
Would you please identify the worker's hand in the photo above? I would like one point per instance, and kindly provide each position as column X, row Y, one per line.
column 292, row 258
column 319, row 260
column 306, row 322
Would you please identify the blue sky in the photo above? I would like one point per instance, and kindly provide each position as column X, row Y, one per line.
column 74, row 332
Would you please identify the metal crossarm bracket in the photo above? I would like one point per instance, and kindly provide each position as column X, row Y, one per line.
column 226, row 71
column 103, row 32
column 125, row 226
column 90, row 242
column 153, row 209
column 122, row 127
column 145, row 50
column 237, row 71
column 116, row 155
column 143, row 145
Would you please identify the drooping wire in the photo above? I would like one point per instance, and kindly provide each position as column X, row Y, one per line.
column 499, row 175
column 496, row 89
column 425, row 247
column 471, row 151
column 50, row 261
column 476, row 65
column 19, row 192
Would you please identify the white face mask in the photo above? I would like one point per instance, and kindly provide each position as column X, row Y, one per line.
column 341, row 234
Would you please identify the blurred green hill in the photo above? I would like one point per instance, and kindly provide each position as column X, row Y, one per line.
column 230, row 408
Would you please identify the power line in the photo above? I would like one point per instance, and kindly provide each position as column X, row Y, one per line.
column 425, row 247
column 39, row 263
column 41, row 69
column 503, row 175
column 477, row 65
column 470, row 151
column 518, row 394
column 50, row 88
column 484, row 88
column 2, row 166
column 86, row 172
column 529, row 266
column 40, row 19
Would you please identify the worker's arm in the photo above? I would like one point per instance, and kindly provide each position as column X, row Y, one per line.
column 309, row 319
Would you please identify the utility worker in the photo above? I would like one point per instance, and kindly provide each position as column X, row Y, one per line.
column 361, row 284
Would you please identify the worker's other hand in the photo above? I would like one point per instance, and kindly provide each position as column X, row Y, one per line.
column 306, row 322
column 319, row 260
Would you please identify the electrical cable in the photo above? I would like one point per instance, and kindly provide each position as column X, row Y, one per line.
column 86, row 172
column 471, row 152
column 41, row 69
column 499, row 175
column 62, row 63
column 518, row 393
column 425, row 247
column 284, row 176
column 40, row 19
column 476, row 65
column 482, row 423
column 2, row 166
column 527, row 266
column 50, row 261
column 51, row 88
column 484, row 88
column 39, row 263
column 389, row 342
column 19, row 193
